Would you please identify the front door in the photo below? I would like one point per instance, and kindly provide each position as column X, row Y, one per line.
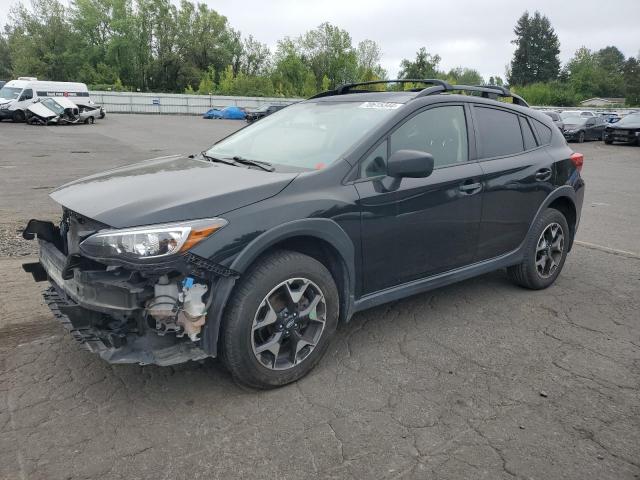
column 417, row 227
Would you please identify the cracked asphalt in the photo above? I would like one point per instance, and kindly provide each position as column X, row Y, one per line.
column 479, row 380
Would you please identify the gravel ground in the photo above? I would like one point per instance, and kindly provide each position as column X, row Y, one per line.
column 477, row 380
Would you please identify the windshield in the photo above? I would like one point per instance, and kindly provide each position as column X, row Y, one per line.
column 10, row 92
column 52, row 105
column 305, row 135
column 631, row 118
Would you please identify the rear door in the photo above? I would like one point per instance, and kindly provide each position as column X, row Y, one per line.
column 517, row 176
column 417, row 227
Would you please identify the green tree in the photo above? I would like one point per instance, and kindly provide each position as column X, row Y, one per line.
column 226, row 84
column 290, row 70
column 369, row 57
column 207, row 83
column 425, row 65
column 255, row 57
column 309, row 87
column 328, row 50
column 631, row 75
column 536, row 58
column 465, row 76
column 5, row 58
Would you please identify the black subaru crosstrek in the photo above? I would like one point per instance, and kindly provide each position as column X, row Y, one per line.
column 255, row 249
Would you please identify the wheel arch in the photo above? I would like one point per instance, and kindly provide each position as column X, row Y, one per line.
column 320, row 238
column 562, row 199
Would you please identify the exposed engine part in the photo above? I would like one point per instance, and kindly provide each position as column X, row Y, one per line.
column 193, row 314
column 178, row 307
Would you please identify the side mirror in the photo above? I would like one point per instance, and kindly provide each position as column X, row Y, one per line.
column 410, row 163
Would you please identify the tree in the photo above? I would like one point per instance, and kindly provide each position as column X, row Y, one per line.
column 631, row 72
column 255, row 57
column 207, row 82
column 465, row 76
column 424, row 66
column 290, row 70
column 369, row 56
column 536, row 58
column 327, row 50
column 5, row 58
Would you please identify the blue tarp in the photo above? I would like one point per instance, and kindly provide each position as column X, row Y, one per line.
column 229, row 113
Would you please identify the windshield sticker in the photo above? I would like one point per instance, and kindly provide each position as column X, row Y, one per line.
column 381, row 105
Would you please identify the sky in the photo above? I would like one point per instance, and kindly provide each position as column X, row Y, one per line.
column 474, row 34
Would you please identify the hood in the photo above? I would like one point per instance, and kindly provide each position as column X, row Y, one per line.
column 41, row 111
column 5, row 100
column 168, row 189
column 573, row 126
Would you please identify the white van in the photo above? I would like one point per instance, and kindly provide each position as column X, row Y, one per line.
column 17, row 95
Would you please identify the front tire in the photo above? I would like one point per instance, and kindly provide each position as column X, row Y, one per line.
column 18, row 116
column 546, row 250
column 581, row 137
column 280, row 320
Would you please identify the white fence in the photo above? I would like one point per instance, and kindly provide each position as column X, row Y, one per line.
column 180, row 104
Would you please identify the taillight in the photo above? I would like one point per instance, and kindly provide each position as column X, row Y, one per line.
column 577, row 159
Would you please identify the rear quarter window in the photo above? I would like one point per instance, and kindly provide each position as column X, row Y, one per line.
column 544, row 132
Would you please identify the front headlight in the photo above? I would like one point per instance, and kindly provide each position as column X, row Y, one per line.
column 149, row 242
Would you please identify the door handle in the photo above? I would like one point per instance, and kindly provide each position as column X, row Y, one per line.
column 543, row 174
column 471, row 188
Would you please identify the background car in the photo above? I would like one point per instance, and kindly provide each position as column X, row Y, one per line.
column 555, row 116
column 578, row 128
column 580, row 113
column 627, row 130
column 228, row 113
column 262, row 112
column 610, row 117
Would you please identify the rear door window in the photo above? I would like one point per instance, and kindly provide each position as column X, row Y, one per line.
column 498, row 131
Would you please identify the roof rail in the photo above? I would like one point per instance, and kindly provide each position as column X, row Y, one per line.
column 347, row 87
column 486, row 91
column 438, row 86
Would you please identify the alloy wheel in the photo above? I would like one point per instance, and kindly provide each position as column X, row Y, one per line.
column 288, row 324
column 549, row 250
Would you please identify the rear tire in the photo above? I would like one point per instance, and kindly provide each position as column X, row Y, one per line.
column 263, row 311
column 546, row 250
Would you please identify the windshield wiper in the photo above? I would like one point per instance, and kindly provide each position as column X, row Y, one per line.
column 218, row 160
column 266, row 166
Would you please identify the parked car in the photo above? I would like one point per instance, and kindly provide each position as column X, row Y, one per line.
column 555, row 116
column 610, row 117
column 262, row 112
column 627, row 130
column 579, row 128
column 580, row 113
column 255, row 249
column 46, row 111
column 17, row 95
column 90, row 112
column 61, row 110
column 2, row 82
column 228, row 113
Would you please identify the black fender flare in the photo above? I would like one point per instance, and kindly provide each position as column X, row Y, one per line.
column 566, row 191
column 321, row 228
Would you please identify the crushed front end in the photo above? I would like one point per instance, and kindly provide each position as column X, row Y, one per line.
column 132, row 295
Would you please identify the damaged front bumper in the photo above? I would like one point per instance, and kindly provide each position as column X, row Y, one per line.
column 151, row 314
